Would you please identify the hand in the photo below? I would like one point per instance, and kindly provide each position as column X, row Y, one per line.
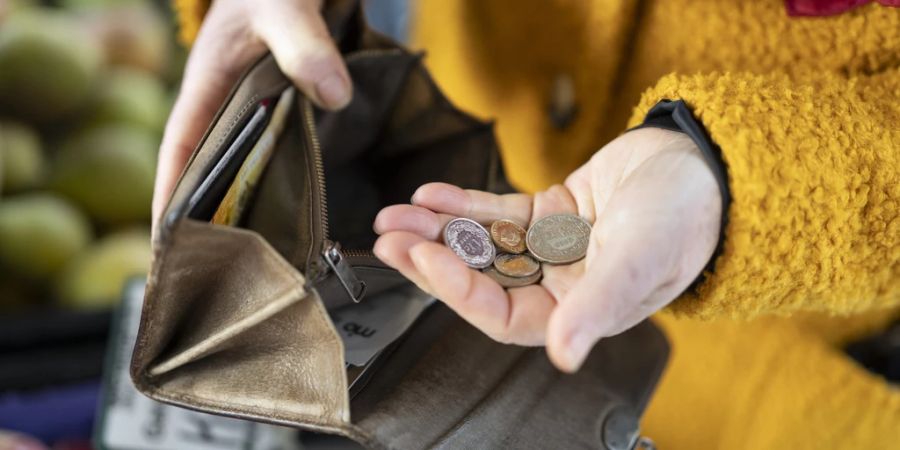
column 655, row 209
column 233, row 36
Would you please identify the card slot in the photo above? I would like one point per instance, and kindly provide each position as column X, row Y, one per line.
column 262, row 80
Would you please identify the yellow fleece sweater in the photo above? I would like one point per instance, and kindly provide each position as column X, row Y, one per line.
column 807, row 113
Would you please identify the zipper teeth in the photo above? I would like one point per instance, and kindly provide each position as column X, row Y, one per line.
column 320, row 177
column 352, row 252
column 320, row 167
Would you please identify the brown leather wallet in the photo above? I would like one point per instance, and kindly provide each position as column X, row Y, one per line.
column 235, row 319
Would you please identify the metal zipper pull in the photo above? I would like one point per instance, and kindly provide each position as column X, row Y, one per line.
column 355, row 287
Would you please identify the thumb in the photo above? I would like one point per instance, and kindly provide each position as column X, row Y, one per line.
column 298, row 38
column 615, row 293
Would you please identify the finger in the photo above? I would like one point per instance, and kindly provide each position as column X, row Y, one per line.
column 305, row 51
column 580, row 187
column 393, row 248
column 518, row 316
column 555, row 200
column 414, row 219
column 480, row 206
column 212, row 68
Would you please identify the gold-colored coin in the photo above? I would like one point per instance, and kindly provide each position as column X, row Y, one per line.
column 511, row 282
column 516, row 265
column 508, row 236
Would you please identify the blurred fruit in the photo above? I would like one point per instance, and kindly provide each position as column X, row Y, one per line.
column 21, row 160
column 134, row 97
column 48, row 64
column 94, row 4
column 132, row 34
column 109, row 171
column 39, row 233
column 8, row 7
column 96, row 277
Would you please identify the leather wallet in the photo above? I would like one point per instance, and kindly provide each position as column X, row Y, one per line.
column 236, row 319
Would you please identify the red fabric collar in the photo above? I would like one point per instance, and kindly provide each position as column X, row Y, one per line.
column 828, row 7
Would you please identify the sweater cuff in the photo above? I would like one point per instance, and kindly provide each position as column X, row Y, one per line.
column 676, row 116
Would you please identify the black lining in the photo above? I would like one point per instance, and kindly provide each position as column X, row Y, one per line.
column 676, row 116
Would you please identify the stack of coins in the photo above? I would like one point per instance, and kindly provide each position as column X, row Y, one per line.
column 511, row 255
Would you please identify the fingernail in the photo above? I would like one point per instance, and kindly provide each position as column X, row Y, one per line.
column 334, row 91
column 577, row 350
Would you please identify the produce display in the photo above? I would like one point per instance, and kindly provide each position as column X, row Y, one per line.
column 85, row 89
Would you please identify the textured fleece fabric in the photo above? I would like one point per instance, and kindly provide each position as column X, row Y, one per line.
column 807, row 114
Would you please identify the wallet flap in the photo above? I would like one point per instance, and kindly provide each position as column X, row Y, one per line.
column 229, row 328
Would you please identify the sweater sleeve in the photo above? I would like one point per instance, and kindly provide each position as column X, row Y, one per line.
column 190, row 15
column 813, row 167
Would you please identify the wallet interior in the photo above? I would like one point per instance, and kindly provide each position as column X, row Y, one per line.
column 235, row 319
column 231, row 322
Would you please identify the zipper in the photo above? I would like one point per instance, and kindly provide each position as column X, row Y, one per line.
column 335, row 258
column 338, row 264
column 330, row 252
column 319, row 167
column 309, row 117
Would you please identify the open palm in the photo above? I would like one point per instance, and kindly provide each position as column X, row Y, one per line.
column 655, row 209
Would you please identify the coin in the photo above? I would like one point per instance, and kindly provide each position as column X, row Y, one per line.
column 508, row 236
column 511, row 282
column 558, row 238
column 516, row 265
column 470, row 241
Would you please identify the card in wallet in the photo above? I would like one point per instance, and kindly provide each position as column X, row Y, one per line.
column 239, row 193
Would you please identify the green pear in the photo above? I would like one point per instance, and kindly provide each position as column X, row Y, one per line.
column 109, row 171
column 96, row 277
column 39, row 233
column 48, row 65
column 21, row 158
column 133, row 97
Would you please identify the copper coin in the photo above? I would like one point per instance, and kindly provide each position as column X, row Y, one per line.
column 508, row 236
column 511, row 282
column 516, row 265
column 559, row 238
column 470, row 241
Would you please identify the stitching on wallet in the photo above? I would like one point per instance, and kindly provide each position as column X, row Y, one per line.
column 234, row 120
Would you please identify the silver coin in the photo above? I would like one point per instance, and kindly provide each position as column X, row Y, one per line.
column 471, row 242
column 511, row 282
column 559, row 238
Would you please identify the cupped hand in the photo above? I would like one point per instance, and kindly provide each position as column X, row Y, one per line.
column 233, row 36
column 655, row 209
